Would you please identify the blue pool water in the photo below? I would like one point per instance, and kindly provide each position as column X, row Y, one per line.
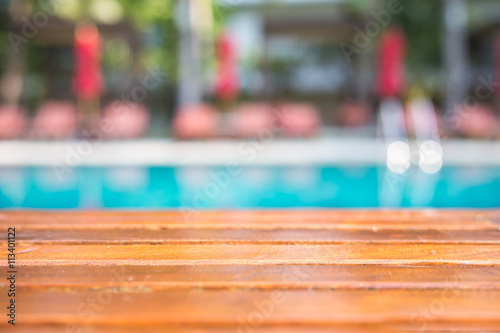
column 247, row 187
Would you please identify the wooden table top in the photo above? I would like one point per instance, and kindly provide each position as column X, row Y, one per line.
column 253, row 271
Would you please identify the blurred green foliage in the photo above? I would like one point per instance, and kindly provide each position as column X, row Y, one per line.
column 422, row 23
column 155, row 20
column 4, row 21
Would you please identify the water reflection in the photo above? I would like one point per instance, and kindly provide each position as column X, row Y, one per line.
column 248, row 187
column 13, row 187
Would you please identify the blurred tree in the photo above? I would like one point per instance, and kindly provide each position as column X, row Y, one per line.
column 155, row 19
column 4, row 21
column 12, row 80
column 422, row 23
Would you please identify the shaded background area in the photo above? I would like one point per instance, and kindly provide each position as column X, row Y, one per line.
column 234, row 55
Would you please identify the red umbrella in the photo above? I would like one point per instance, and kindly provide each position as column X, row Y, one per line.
column 88, row 80
column 391, row 78
column 227, row 86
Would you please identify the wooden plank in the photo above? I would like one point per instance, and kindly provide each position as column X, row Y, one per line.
column 167, row 235
column 255, row 254
column 231, row 218
column 262, row 277
column 407, row 308
column 437, row 327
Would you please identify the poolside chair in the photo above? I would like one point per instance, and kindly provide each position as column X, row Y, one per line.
column 55, row 120
column 298, row 119
column 477, row 122
column 354, row 114
column 126, row 120
column 198, row 121
column 13, row 122
column 252, row 119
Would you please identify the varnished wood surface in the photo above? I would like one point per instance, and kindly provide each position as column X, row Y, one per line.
column 260, row 271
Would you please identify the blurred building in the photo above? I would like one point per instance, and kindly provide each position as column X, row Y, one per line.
column 293, row 49
column 289, row 50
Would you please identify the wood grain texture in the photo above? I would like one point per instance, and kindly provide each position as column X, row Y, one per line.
column 258, row 271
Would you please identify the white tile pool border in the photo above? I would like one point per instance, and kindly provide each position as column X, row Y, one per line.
column 153, row 152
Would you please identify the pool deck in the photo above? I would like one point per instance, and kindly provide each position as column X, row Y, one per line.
column 155, row 152
column 253, row 271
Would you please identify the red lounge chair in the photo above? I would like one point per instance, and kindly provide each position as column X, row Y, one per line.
column 299, row 119
column 475, row 122
column 55, row 120
column 196, row 122
column 251, row 120
column 13, row 122
column 126, row 120
column 354, row 114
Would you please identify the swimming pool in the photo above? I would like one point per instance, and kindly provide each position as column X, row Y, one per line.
column 202, row 187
